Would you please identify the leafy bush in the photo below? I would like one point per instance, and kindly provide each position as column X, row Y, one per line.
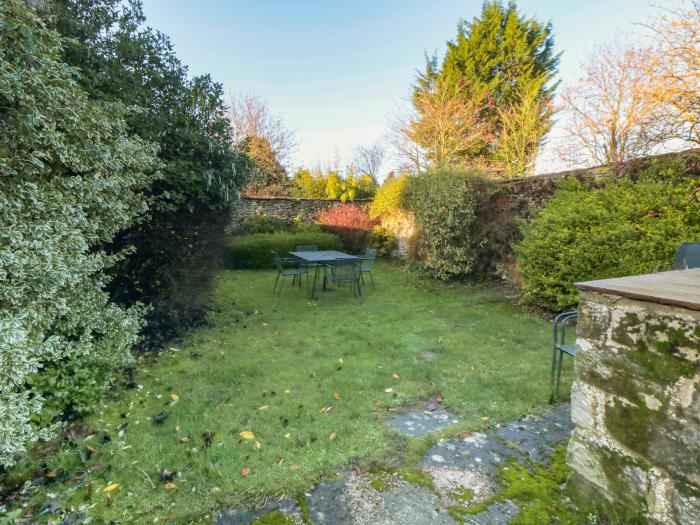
column 253, row 251
column 349, row 222
column 173, row 254
column 262, row 223
column 70, row 179
column 625, row 228
column 389, row 196
column 446, row 205
column 383, row 240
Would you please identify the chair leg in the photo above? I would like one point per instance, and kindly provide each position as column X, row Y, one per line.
column 561, row 361
column 371, row 279
column 274, row 288
column 359, row 289
column 551, row 377
column 279, row 291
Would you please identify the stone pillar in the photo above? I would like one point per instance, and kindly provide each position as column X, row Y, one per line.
column 636, row 398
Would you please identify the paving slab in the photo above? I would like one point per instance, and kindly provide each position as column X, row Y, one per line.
column 330, row 503
column 500, row 513
column 420, row 422
column 242, row 516
column 536, row 436
column 477, row 451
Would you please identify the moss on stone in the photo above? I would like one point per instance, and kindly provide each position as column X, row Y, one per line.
column 633, row 425
column 416, row 476
column 273, row 518
column 303, row 508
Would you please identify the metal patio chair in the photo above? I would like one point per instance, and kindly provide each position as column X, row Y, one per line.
column 347, row 271
column 687, row 256
column 560, row 348
column 307, row 248
column 366, row 267
column 295, row 273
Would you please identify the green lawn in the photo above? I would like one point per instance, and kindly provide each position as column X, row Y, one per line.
column 295, row 374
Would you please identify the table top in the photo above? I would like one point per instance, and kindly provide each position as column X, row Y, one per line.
column 323, row 256
column 677, row 287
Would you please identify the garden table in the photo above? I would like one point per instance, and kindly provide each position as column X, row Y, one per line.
column 321, row 258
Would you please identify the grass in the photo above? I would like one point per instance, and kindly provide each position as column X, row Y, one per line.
column 313, row 381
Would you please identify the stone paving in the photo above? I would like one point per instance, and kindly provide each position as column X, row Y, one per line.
column 466, row 463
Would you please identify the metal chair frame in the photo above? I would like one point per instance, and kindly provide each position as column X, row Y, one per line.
column 687, row 256
column 559, row 349
column 295, row 273
column 347, row 271
column 366, row 267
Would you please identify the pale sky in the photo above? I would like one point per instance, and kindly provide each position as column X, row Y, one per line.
column 337, row 72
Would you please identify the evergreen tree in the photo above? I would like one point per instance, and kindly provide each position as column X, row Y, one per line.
column 501, row 58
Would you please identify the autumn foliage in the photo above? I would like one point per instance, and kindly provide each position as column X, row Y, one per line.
column 350, row 222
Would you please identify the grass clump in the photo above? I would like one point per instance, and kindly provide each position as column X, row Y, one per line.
column 274, row 518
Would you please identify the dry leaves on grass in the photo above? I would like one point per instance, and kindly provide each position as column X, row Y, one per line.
column 111, row 487
column 247, row 435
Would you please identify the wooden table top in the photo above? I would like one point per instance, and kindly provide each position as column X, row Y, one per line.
column 677, row 287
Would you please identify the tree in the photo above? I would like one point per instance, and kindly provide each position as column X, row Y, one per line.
column 675, row 70
column 71, row 178
column 250, row 116
column 305, row 184
column 122, row 60
column 610, row 116
column 334, row 185
column 523, row 127
column 498, row 57
column 271, row 177
column 369, row 159
column 447, row 125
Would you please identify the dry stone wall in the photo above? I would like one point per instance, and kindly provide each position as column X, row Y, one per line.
column 287, row 209
column 636, row 407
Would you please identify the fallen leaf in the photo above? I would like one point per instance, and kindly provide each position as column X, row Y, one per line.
column 388, row 390
column 257, row 445
column 263, row 408
column 332, row 436
column 396, row 376
column 170, row 486
column 336, row 396
column 280, row 460
column 294, row 468
column 247, row 435
column 245, row 471
column 177, row 428
column 174, row 397
column 111, row 487
column 288, row 435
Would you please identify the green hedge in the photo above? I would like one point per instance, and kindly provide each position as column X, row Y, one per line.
column 253, row 251
column 625, row 228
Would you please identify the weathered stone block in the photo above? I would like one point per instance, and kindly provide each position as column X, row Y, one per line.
column 636, row 406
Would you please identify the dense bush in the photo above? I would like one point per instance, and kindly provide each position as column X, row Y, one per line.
column 389, row 196
column 625, row 228
column 253, row 251
column 262, row 223
column 349, row 222
column 70, row 179
column 175, row 250
column 447, row 206
column 383, row 240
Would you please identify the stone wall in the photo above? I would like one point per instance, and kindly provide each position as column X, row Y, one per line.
column 636, row 406
column 287, row 209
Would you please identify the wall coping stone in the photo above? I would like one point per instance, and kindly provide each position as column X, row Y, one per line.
column 676, row 288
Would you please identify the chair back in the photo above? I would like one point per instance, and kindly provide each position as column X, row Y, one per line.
column 307, row 248
column 368, row 259
column 278, row 262
column 687, row 256
column 346, row 270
